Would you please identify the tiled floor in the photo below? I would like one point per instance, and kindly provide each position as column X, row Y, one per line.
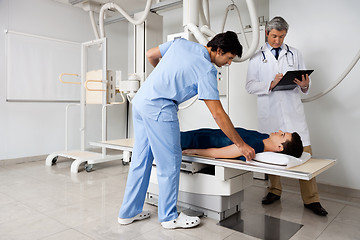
column 39, row 202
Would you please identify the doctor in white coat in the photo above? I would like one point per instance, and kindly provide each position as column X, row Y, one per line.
column 281, row 109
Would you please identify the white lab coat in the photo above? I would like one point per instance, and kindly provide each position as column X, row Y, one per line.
column 277, row 110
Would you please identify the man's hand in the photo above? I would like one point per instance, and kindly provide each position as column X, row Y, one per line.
column 276, row 80
column 304, row 84
column 190, row 151
column 247, row 151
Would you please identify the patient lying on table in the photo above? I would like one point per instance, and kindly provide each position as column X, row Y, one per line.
column 214, row 143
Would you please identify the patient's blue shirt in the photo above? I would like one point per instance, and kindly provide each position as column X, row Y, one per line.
column 215, row 138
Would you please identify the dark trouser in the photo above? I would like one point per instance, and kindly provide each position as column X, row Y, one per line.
column 309, row 190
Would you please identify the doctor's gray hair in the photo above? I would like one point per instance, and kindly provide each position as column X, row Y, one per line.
column 277, row 23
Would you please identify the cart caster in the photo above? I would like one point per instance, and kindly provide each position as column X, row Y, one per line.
column 88, row 167
column 54, row 160
column 124, row 163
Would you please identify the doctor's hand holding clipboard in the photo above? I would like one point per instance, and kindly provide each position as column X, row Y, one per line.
column 304, row 83
column 290, row 80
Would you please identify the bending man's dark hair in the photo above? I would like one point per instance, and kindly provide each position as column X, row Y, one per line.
column 227, row 42
column 293, row 147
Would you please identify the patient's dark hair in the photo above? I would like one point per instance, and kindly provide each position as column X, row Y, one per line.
column 227, row 42
column 293, row 147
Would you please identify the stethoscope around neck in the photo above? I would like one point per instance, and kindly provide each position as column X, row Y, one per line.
column 287, row 57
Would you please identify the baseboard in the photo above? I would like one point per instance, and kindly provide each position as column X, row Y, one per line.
column 22, row 160
column 43, row 157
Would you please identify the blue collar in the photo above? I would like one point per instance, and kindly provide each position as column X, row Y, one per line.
column 270, row 47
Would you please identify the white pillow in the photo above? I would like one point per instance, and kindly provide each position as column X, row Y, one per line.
column 279, row 160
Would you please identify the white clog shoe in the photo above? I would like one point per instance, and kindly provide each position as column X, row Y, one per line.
column 182, row 221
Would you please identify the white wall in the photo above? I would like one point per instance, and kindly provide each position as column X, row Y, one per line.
column 327, row 34
column 35, row 128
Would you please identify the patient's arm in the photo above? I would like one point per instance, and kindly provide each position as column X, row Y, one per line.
column 231, row 151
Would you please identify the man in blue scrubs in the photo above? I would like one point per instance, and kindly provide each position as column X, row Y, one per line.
column 185, row 69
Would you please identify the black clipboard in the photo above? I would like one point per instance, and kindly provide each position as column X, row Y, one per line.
column 287, row 82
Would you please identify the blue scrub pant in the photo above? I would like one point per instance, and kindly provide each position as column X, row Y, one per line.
column 159, row 140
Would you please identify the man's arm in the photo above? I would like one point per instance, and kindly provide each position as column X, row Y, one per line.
column 231, row 151
column 153, row 55
column 225, row 124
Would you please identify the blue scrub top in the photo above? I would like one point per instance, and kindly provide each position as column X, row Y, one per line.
column 184, row 71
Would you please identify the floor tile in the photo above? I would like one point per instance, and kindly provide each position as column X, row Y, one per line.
column 15, row 210
column 35, row 226
column 108, row 228
column 292, row 210
column 338, row 230
column 208, row 229
column 349, row 215
column 4, row 199
column 57, row 201
column 69, row 234
column 165, row 234
column 84, row 212
column 239, row 235
column 50, row 203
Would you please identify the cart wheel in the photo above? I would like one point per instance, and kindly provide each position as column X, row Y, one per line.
column 54, row 160
column 124, row 163
column 88, row 167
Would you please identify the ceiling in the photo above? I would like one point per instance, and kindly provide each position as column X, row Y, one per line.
column 130, row 6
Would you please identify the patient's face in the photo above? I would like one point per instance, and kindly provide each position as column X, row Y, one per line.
column 280, row 137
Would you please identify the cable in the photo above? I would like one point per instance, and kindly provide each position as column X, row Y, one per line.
column 127, row 16
column 343, row 75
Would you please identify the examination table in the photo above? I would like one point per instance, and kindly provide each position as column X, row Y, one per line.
column 214, row 186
